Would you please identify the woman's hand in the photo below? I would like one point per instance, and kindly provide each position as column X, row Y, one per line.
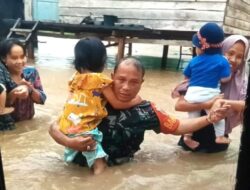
column 21, row 91
column 25, row 82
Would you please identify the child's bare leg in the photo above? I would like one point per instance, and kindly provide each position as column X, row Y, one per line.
column 190, row 142
column 222, row 140
column 219, row 129
column 99, row 166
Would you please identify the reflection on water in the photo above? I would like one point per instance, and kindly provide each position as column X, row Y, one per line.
column 32, row 160
column 60, row 53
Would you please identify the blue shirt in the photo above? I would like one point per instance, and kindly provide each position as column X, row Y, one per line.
column 207, row 70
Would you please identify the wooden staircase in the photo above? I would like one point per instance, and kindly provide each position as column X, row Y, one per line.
column 179, row 65
column 26, row 36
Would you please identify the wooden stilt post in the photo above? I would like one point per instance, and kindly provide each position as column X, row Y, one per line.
column 164, row 57
column 30, row 49
column 129, row 49
column 179, row 61
column 121, row 47
column 2, row 182
column 193, row 51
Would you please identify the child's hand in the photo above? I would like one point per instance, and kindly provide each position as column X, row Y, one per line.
column 180, row 89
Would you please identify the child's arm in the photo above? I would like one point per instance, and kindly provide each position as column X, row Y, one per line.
column 180, row 89
column 226, row 79
column 117, row 104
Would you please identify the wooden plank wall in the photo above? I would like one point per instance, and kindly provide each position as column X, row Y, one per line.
column 237, row 17
column 28, row 9
column 160, row 14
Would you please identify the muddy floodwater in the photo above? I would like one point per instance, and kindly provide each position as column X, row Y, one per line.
column 33, row 161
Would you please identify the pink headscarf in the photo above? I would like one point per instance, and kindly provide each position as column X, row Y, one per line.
column 235, row 89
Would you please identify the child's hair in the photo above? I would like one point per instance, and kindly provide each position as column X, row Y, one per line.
column 209, row 38
column 90, row 54
column 6, row 46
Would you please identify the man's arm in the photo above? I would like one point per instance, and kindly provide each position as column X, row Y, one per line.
column 115, row 103
column 194, row 124
column 191, row 125
column 79, row 143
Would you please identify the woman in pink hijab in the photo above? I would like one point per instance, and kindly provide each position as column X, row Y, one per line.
column 236, row 49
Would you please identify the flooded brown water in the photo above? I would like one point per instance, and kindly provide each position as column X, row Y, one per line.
column 33, row 161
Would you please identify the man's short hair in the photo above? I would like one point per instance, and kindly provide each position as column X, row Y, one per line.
column 132, row 60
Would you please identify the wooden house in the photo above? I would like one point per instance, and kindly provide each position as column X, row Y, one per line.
column 166, row 22
column 189, row 15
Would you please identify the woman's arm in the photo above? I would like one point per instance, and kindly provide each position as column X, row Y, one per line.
column 36, row 90
column 37, row 95
column 183, row 105
column 33, row 81
column 236, row 105
column 115, row 103
column 78, row 143
column 226, row 79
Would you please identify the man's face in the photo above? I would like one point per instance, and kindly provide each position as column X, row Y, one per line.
column 127, row 82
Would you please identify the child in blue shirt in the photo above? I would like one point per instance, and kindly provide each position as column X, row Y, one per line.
column 205, row 72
